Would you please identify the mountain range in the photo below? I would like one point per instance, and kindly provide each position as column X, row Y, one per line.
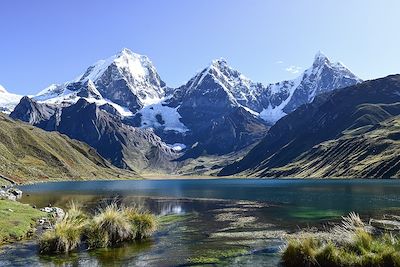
column 325, row 123
column 122, row 108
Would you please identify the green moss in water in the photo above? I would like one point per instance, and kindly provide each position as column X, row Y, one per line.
column 217, row 256
column 173, row 218
column 308, row 213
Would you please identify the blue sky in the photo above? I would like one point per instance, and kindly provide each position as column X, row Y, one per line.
column 47, row 41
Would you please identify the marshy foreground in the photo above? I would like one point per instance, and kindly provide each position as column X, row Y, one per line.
column 215, row 222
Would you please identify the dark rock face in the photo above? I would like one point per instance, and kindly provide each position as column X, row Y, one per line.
column 218, row 124
column 32, row 112
column 330, row 116
column 232, row 131
column 123, row 145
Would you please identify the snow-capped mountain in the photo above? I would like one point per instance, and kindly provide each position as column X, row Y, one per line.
column 220, row 86
column 323, row 76
column 127, row 79
column 8, row 101
column 218, row 111
column 209, row 106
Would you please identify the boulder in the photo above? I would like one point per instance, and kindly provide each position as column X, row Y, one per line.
column 57, row 213
column 6, row 195
column 15, row 191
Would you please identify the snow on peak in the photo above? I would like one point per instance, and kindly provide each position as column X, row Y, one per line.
column 127, row 61
column 235, row 84
column 8, row 101
column 219, row 63
column 320, row 58
column 159, row 115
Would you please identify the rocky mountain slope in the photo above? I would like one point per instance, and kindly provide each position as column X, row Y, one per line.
column 29, row 154
column 101, row 127
column 352, row 132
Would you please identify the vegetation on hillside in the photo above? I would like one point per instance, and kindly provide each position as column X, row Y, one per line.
column 29, row 154
column 349, row 133
column 371, row 153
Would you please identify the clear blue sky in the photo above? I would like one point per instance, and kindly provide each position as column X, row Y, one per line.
column 47, row 41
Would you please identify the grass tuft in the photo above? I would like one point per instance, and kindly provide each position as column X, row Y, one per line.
column 110, row 226
column 360, row 249
column 143, row 224
column 65, row 237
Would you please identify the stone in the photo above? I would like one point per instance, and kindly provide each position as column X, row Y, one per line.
column 15, row 191
column 57, row 213
column 7, row 196
column 385, row 224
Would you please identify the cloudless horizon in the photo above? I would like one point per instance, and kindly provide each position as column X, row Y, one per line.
column 45, row 42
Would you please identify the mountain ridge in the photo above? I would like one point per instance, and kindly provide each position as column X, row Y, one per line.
column 30, row 154
column 354, row 111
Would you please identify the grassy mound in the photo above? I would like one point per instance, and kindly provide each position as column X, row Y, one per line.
column 110, row 226
column 17, row 220
column 350, row 244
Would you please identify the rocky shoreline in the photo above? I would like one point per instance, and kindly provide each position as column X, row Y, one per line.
column 10, row 193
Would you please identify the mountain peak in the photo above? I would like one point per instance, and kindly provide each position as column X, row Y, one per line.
column 221, row 62
column 320, row 58
column 136, row 64
column 125, row 51
column 129, row 54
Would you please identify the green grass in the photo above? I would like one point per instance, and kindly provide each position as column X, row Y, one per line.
column 17, row 220
column 354, row 246
column 143, row 224
column 109, row 227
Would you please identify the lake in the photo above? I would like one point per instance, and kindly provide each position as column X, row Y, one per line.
column 247, row 219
